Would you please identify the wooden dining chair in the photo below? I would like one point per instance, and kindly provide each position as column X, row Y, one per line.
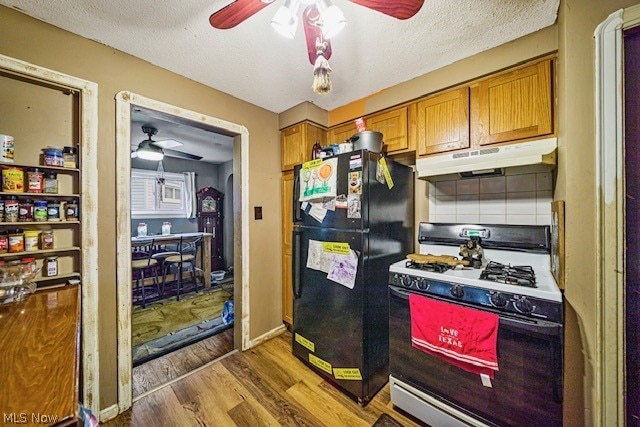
column 184, row 261
column 143, row 266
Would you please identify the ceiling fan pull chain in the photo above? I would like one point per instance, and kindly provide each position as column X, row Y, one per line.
column 321, row 69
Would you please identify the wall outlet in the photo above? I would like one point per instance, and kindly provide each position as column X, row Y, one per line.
column 257, row 212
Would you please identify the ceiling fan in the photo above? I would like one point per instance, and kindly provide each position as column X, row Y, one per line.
column 321, row 21
column 156, row 150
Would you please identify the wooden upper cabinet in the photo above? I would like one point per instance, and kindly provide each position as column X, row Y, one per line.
column 338, row 134
column 393, row 125
column 292, row 146
column 515, row 105
column 297, row 141
column 443, row 122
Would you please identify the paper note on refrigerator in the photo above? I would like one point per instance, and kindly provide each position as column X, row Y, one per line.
column 317, row 212
column 317, row 258
column 318, row 180
column 343, row 269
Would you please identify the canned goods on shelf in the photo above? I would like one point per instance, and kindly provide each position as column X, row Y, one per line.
column 71, row 211
column 11, row 209
column 25, row 210
column 35, row 180
column 6, row 149
column 40, row 210
column 53, row 210
column 52, row 156
column 12, row 179
column 4, row 242
column 46, row 239
column 50, row 183
column 16, row 240
column 31, row 240
column 69, row 157
column 51, row 266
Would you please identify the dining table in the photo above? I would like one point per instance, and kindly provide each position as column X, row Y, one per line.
column 204, row 250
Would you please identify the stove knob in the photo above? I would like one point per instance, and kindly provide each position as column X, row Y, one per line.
column 523, row 305
column 406, row 281
column 396, row 279
column 422, row 284
column 457, row 291
column 498, row 300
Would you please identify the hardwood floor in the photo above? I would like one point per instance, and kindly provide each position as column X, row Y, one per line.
column 164, row 369
column 264, row 386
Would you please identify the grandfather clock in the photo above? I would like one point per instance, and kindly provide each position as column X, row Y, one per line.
column 210, row 221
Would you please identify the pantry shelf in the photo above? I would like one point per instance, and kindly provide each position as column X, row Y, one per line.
column 57, row 278
column 39, row 195
column 35, row 223
column 39, row 252
column 44, row 168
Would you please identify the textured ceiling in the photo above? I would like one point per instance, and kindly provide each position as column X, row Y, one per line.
column 253, row 63
column 196, row 138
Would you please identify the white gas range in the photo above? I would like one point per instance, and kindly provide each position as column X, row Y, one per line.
column 516, row 283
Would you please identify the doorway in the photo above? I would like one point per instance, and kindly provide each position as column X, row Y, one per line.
column 178, row 326
column 632, row 222
column 128, row 105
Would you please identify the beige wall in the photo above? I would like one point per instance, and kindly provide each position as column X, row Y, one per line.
column 576, row 185
column 303, row 111
column 30, row 40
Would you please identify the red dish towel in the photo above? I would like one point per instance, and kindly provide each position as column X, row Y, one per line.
column 462, row 336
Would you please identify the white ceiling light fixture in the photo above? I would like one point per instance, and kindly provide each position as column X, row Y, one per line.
column 146, row 149
column 285, row 21
column 332, row 18
column 331, row 21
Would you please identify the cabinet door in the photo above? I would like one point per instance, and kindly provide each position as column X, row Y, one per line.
column 338, row 134
column 515, row 105
column 443, row 122
column 312, row 133
column 287, row 233
column 393, row 125
column 293, row 144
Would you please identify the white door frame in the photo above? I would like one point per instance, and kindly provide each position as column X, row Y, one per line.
column 124, row 101
column 610, row 343
column 88, row 140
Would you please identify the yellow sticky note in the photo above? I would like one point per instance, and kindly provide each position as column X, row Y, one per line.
column 305, row 343
column 336, row 247
column 385, row 171
column 319, row 363
column 312, row 164
column 351, row 374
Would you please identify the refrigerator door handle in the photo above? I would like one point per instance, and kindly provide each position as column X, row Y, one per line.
column 296, row 264
column 297, row 215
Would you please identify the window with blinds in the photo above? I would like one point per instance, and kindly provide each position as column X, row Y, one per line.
column 158, row 195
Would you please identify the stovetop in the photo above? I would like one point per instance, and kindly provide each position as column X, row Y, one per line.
column 543, row 300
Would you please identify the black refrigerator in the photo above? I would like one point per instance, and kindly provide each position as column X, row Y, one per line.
column 343, row 245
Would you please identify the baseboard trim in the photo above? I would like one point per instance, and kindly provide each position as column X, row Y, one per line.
column 267, row 336
column 109, row 413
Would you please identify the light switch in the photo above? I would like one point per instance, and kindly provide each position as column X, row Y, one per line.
column 257, row 212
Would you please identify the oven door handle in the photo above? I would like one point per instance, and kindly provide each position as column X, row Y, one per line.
column 539, row 327
column 398, row 293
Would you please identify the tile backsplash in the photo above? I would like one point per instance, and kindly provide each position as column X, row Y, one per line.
column 511, row 199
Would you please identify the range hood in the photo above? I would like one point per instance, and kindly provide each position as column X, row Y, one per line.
column 486, row 161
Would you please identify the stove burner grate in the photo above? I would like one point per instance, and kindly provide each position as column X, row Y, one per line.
column 521, row 275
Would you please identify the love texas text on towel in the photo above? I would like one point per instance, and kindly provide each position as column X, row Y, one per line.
column 461, row 336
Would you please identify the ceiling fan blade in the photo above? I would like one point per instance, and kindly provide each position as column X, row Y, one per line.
column 180, row 154
column 233, row 14
column 401, row 9
column 313, row 32
column 167, row 143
